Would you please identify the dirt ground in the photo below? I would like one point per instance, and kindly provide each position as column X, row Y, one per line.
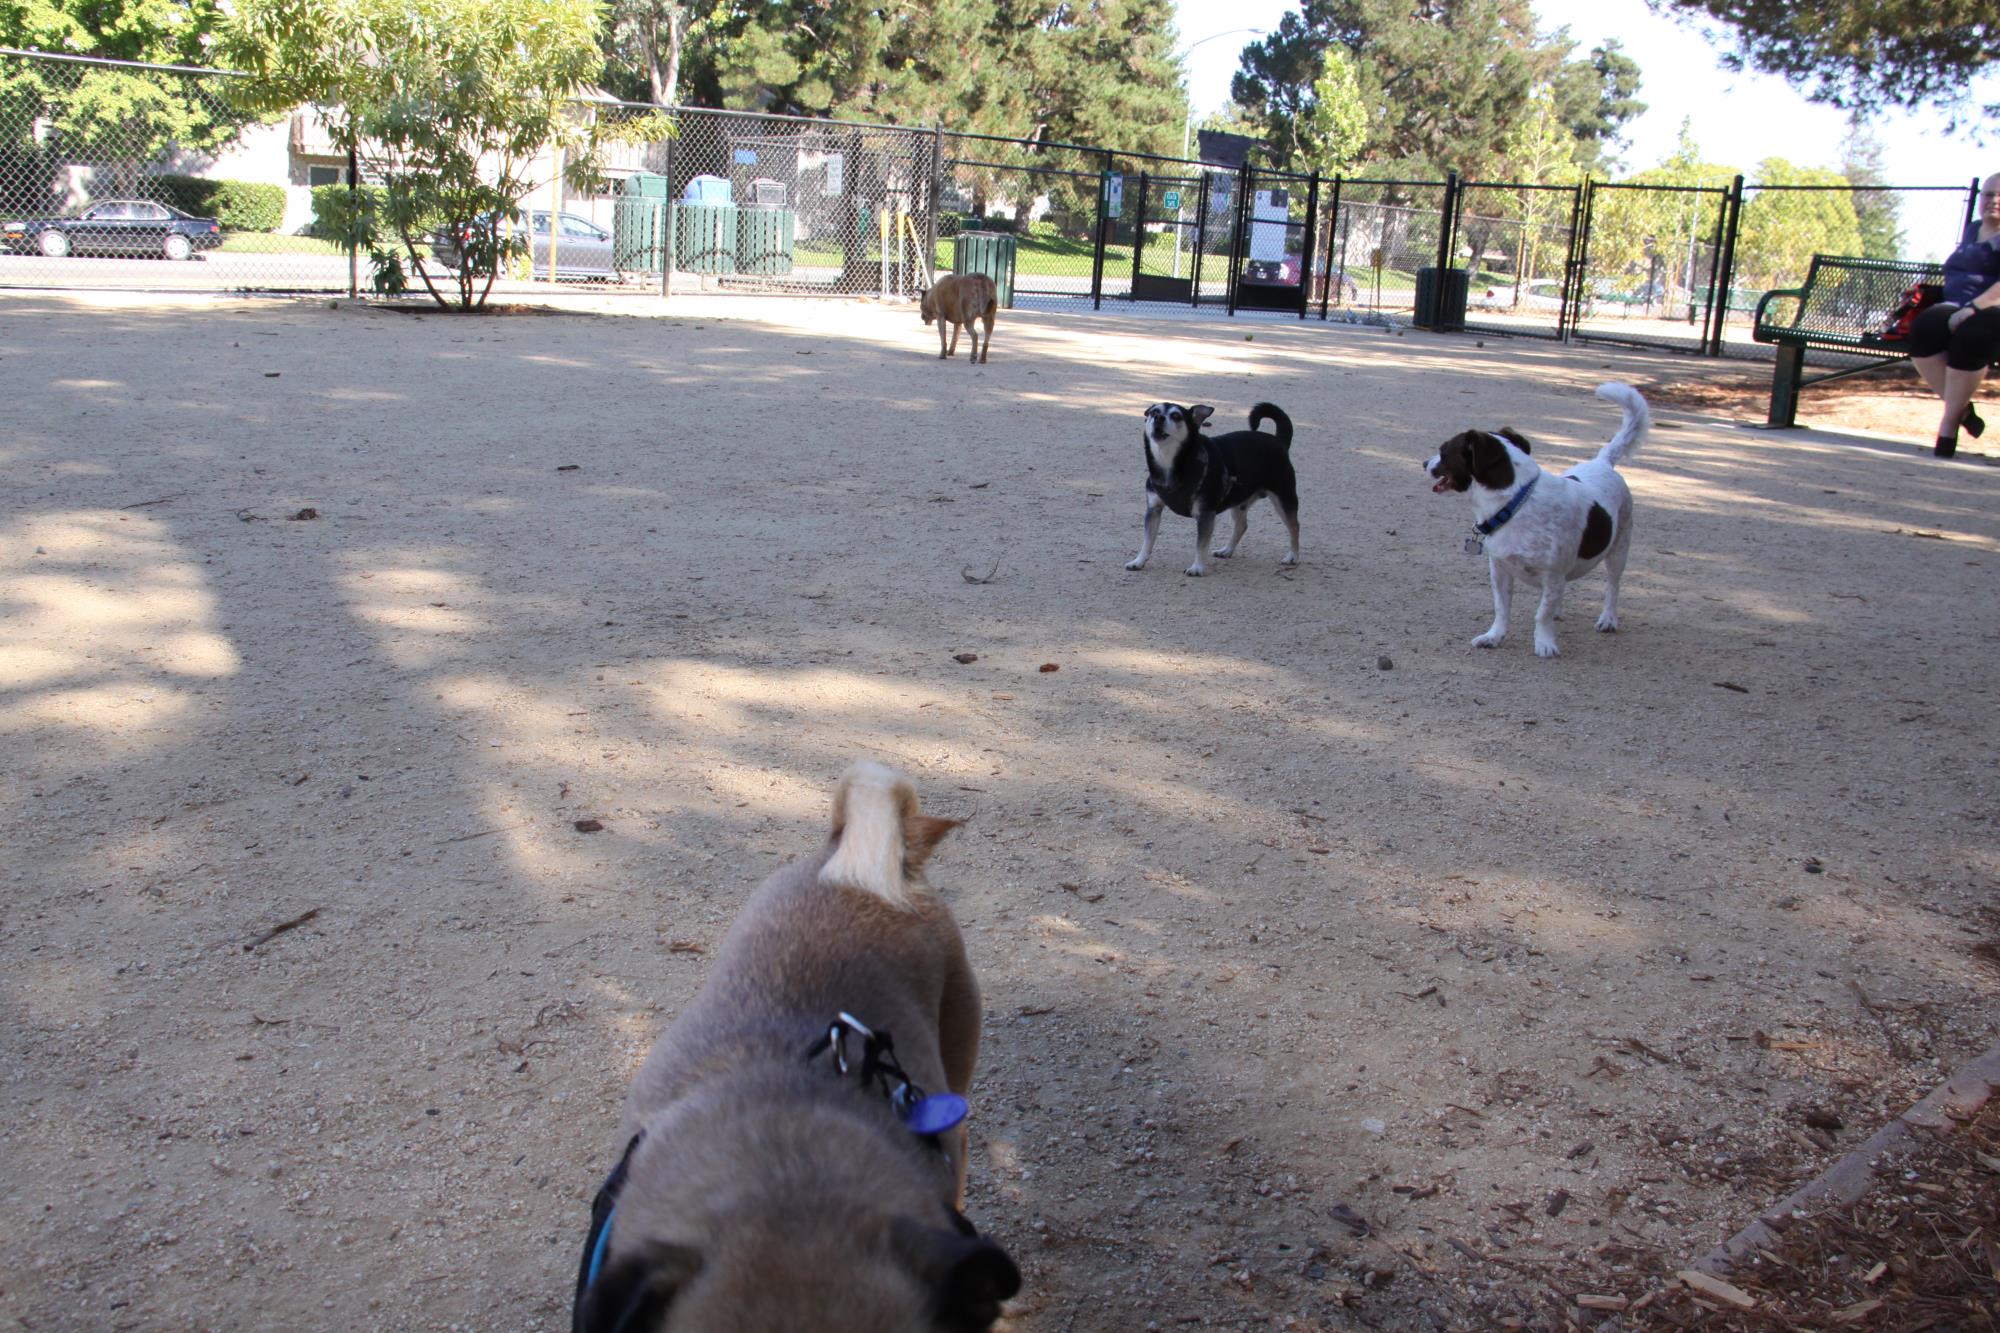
column 1338, row 975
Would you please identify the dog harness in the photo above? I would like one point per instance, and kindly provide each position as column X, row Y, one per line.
column 1507, row 511
column 926, row 1115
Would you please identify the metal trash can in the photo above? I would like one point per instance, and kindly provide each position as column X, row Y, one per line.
column 639, row 225
column 705, row 238
column 1441, row 304
column 764, row 237
column 990, row 252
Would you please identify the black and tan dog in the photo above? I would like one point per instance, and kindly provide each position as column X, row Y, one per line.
column 785, row 1167
column 1202, row 476
column 967, row 300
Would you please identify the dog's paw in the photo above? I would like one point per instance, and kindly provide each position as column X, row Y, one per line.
column 1607, row 623
column 1223, row 552
column 1135, row 563
column 1488, row 640
column 1546, row 647
column 1196, row 570
column 1292, row 558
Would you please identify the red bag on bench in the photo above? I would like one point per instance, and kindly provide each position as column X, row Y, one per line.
column 1921, row 297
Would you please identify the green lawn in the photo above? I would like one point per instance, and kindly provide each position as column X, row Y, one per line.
column 270, row 243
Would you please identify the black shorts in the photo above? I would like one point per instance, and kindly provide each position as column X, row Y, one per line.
column 1973, row 345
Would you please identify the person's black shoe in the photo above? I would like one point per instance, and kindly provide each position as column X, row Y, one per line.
column 1974, row 424
column 1946, row 448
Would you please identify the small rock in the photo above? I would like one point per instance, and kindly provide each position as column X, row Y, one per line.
column 589, row 826
column 1384, row 664
column 965, row 659
column 1047, row 667
column 305, row 515
column 1374, row 1126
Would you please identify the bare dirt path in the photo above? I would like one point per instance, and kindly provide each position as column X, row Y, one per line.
column 1297, row 918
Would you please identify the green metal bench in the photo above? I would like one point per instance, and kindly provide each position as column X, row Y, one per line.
column 1844, row 304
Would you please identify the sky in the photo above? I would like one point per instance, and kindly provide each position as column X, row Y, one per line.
column 1737, row 119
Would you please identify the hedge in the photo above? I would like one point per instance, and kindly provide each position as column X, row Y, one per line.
column 237, row 205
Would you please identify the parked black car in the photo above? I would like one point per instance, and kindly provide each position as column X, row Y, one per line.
column 115, row 227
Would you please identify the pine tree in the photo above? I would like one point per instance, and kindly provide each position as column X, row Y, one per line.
column 1877, row 213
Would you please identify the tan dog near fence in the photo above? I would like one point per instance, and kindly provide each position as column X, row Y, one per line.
column 965, row 300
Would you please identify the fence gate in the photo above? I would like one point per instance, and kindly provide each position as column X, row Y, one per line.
column 1168, row 244
column 1649, row 265
column 1376, row 235
column 1046, row 200
column 1515, row 241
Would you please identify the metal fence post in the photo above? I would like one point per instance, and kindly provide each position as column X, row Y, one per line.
column 353, row 223
column 1332, row 222
column 1732, row 208
column 666, row 229
column 1103, row 225
column 1139, row 232
column 936, row 203
column 1575, row 280
column 1239, row 239
column 1306, row 246
column 1971, row 206
column 1428, row 317
column 1200, row 236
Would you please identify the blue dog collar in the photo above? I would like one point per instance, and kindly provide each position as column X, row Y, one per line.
column 1507, row 511
column 597, row 1242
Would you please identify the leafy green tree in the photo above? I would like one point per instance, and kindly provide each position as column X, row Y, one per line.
column 118, row 118
column 1333, row 128
column 1597, row 97
column 1866, row 55
column 461, row 107
column 1877, row 212
column 1541, row 150
column 1656, row 239
column 660, row 51
column 1445, row 80
column 1783, row 229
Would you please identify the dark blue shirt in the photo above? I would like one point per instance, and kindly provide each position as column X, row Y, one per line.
column 1972, row 268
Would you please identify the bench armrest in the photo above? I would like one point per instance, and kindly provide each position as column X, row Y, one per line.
column 1758, row 327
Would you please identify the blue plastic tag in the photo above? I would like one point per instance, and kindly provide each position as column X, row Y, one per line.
column 935, row 1114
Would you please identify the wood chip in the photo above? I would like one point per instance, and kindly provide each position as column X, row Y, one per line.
column 281, row 928
column 1589, row 1302
column 1716, row 1289
column 1859, row 1310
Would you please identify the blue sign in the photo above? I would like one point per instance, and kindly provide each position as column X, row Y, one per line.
column 746, row 157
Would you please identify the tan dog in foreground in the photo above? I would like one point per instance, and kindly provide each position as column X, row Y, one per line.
column 778, row 1174
column 962, row 299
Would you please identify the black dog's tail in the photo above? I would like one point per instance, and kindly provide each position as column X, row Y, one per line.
column 1264, row 412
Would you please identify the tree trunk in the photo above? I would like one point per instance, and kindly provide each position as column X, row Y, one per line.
column 663, row 70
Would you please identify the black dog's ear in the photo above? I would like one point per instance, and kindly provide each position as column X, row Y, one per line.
column 1199, row 414
column 1491, row 467
column 968, row 1276
column 1515, row 438
column 632, row 1295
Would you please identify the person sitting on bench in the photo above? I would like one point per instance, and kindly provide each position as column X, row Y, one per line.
column 1953, row 342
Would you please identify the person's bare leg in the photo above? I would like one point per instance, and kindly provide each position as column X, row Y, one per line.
column 1932, row 369
column 1959, row 386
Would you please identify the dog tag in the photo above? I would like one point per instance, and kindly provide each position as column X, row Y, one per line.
column 935, row 1113
column 1474, row 545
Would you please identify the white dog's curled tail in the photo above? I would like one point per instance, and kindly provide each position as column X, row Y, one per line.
column 881, row 838
column 1638, row 420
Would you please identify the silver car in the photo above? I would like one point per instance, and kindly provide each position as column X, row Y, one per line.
column 583, row 249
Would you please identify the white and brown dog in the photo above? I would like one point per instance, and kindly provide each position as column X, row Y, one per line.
column 1549, row 529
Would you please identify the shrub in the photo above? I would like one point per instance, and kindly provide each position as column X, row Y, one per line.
column 237, row 205
column 331, row 222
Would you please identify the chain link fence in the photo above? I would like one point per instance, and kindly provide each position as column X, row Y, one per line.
column 146, row 177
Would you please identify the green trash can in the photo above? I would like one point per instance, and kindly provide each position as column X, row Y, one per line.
column 705, row 238
column 989, row 252
column 764, row 237
column 639, row 225
column 1441, row 298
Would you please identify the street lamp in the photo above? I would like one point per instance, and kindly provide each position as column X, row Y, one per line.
column 1187, row 131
